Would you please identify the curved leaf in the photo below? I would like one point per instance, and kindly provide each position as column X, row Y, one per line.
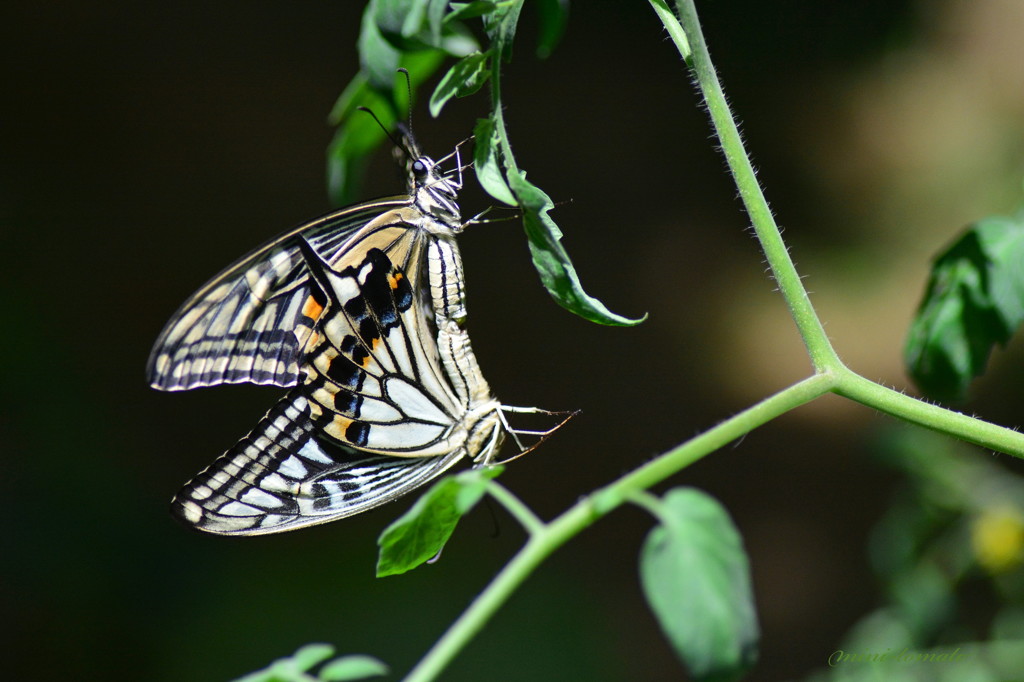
column 485, row 162
column 467, row 76
column 378, row 58
column 354, row 667
column 500, row 26
column 420, row 533
column 552, row 262
column 292, row 668
column 697, row 581
column 974, row 300
column 470, row 10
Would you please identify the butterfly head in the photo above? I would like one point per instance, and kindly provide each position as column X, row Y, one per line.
column 433, row 192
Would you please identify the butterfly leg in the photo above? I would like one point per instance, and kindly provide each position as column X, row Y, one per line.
column 541, row 435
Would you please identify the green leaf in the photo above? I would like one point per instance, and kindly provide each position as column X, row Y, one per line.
column 400, row 22
column 414, row 19
column 552, row 262
column 500, row 27
column 974, row 299
column 356, row 667
column 485, row 162
column 436, row 13
column 394, row 31
column 311, row 655
column 554, row 15
column 420, row 533
column 354, row 140
column 410, row 25
column 292, row 668
column 355, row 94
column 378, row 58
column 696, row 579
column 358, row 135
column 464, row 78
column 1003, row 242
column 469, row 10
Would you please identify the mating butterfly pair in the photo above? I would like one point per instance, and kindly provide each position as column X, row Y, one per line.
column 361, row 313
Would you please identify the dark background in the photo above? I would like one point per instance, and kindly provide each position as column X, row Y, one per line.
column 145, row 146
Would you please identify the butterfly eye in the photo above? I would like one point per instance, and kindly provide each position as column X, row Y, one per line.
column 419, row 168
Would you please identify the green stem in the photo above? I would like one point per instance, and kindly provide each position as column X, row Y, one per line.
column 486, row 603
column 653, row 505
column 549, row 537
column 847, row 383
column 811, row 330
column 664, row 466
column 855, row 387
column 499, row 117
column 523, row 514
column 675, row 31
column 648, row 502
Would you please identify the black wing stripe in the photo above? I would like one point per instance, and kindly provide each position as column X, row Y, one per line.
column 367, row 302
column 282, row 476
column 251, row 309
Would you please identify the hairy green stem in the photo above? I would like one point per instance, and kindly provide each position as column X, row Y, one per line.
column 846, row 382
column 675, row 460
column 958, row 425
column 546, row 538
column 811, row 330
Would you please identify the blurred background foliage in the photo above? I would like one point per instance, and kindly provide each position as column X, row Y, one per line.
column 146, row 146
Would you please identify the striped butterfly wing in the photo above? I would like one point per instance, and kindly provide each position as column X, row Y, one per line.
column 375, row 417
column 286, row 475
column 240, row 326
column 374, row 376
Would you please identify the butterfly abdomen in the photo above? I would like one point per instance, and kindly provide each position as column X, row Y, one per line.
column 447, row 288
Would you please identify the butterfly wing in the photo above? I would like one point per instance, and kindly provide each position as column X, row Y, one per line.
column 375, row 417
column 240, row 326
column 285, row 475
column 374, row 377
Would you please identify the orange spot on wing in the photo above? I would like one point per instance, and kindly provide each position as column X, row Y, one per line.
column 338, row 426
column 312, row 309
column 396, row 279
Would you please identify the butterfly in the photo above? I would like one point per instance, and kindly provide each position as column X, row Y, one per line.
column 361, row 314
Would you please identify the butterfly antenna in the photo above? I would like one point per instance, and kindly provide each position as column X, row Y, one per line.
column 395, row 141
column 408, row 90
